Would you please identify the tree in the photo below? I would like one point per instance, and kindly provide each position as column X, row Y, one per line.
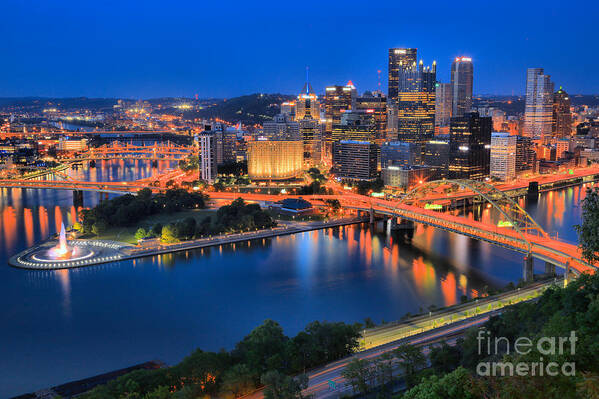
column 411, row 359
column 359, row 374
column 444, row 358
column 169, row 233
column 588, row 231
column 280, row 386
column 202, row 370
column 141, row 233
column 238, row 381
column 263, row 348
column 99, row 227
column 458, row 384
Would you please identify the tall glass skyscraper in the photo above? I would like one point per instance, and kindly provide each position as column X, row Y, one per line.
column 462, row 74
column 416, row 103
column 399, row 59
column 443, row 104
column 538, row 112
column 562, row 116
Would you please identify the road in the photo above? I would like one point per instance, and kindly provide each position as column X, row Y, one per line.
column 418, row 331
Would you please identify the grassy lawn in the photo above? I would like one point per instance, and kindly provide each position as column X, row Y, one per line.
column 126, row 234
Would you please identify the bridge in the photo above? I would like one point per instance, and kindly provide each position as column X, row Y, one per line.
column 118, row 150
column 513, row 228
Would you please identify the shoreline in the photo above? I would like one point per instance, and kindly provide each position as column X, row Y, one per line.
column 128, row 252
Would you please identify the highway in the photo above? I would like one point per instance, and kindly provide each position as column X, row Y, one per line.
column 444, row 325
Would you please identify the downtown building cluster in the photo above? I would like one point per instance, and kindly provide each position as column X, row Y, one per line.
column 421, row 129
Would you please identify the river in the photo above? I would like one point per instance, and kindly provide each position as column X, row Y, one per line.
column 59, row 326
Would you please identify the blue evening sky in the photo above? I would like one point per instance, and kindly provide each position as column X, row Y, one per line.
column 226, row 48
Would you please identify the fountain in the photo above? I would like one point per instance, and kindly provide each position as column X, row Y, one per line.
column 62, row 252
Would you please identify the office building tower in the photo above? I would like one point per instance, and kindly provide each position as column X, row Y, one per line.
column 311, row 134
column 462, row 73
column 282, row 127
column 288, row 108
column 442, row 104
column 275, row 160
column 469, row 146
column 436, row 156
column 355, row 160
column 406, row 177
column 562, row 115
column 399, row 59
column 526, row 155
column 206, row 143
column 337, row 100
column 503, row 156
column 416, row 104
column 375, row 104
column 538, row 111
column 399, row 153
column 307, row 105
column 355, row 125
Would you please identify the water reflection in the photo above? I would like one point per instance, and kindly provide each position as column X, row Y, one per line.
column 115, row 315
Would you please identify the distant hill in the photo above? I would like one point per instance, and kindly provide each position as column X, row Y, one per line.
column 250, row 109
column 36, row 104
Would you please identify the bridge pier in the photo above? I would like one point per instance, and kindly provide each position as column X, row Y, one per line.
column 154, row 163
column 533, row 190
column 549, row 268
column 527, row 270
column 371, row 215
column 567, row 274
column 92, row 163
column 77, row 198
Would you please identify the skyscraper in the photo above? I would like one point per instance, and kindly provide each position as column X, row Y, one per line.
column 281, row 128
column 207, row 156
column 375, row 104
column 443, row 104
column 562, row 116
column 399, row 59
column 538, row 112
column 416, row 103
column 503, row 156
column 307, row 105
column 355, row 125
column 356, row 160
column 462, row 73
column 469, row 146
column 337, row 100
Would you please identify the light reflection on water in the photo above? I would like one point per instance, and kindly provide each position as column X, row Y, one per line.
column 76, row 323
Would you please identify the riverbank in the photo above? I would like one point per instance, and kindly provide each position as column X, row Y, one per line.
column 124, row 251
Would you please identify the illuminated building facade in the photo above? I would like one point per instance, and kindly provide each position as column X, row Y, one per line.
column 355, row 160
column 311, row 134
column 469, row 146
column 562, row 115
column 436, row 156
column 538, row 112
column 399, row 153
column 375, row 104
column 282, row 127
column 288, row 108
column 400, row 59
column 406, row 176
column 416, row 104
column 462, row 73
column 355, row 125
column 526, row 155
column 206, row 143
column 337, row 100
column 443, row 104
column 503, row 156
column 275, row 160
column 307, row 105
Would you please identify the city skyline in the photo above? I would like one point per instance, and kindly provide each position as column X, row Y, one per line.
column 72, row 49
